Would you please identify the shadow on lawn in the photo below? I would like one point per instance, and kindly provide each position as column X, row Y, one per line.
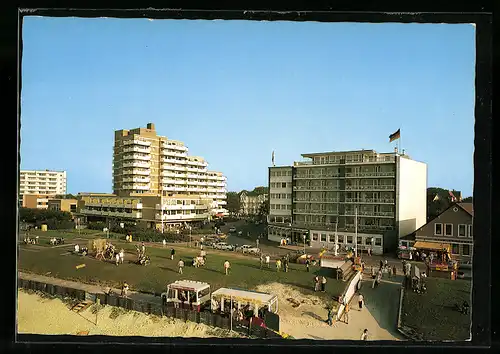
column 169, row 269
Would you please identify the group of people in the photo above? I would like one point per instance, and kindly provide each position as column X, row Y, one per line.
column 320, row 283
column 142, row 258
column 30, row 241
column 266, row 260
column 83, row 250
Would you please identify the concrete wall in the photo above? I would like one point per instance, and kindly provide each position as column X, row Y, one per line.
column 349, row 294
column 411, row 195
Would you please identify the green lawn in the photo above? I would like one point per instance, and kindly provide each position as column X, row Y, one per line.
column 245, row 272
column 433, row 315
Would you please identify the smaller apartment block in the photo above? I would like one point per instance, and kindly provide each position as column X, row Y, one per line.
column 320, row 197
column 42, row 182
column 250, row 204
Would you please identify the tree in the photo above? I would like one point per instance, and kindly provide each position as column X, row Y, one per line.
column 467, row 200
column 438, row 200
column 264, row 210
column 233, row 202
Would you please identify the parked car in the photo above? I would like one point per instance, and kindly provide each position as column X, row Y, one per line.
column 233, row 229
column 248, row 249
column 223, row 246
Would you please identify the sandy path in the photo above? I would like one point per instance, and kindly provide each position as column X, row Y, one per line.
column 38, row 315
column 308, row 320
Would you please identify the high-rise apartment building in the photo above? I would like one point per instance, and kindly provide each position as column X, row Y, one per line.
column 145, row 163
column 42, row 182
column 318, row 199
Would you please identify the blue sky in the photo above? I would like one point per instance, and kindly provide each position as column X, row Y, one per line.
column 234, row 91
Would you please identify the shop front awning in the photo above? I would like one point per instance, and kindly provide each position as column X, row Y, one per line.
column 431, row 245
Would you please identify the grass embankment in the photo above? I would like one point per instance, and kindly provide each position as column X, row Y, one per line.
column 433, row 314
column 245, row 270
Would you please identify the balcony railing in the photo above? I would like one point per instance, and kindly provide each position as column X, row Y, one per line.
column 136, row 179
column 197, row 163
column 136, row 186
column 317, row 188
column 137, row 142
column 174, row 147
column 174, row 161
column 370, row 174
column 370, row 200
column 181, row 216
column 370, row 188
column 370, row 227
column 370, row 213
column 174, row 153
column 324, row 200
column 136, row 164
column 136, row 172
column 137, row 149
column 327, row 175
column 174, row 168
column 314, row 211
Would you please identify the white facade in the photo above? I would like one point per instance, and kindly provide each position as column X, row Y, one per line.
column 383, row 195
column 42, row 182
column 250, row 204
column 411, row 195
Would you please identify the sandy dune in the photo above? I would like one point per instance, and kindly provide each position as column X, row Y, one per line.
column 39, row 315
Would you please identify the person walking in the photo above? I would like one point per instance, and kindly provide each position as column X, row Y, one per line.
column 181, row 265
column 143, row 249
column 394, row 271
column 117, row 258
column 360, row 301
column 307, row 264
column 329, row 317
column 164, row 243
column 323, row 284
column 172, row 253
column 381, row 264
column 285, row 263
column 362, row 266
column 278, row 265
column 122, row 255
column 226, row 267
column 316, row 283
column 346, row 314
column 268, row 261
column 374, row 274
column 364, row 335
column 261, row 261
column 369, row 251
column 125, row 288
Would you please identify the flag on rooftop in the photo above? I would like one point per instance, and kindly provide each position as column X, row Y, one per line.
column 394, row 136
column 273, row 158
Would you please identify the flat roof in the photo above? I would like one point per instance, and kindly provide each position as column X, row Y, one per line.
column 312, row 154
column 280, row 166
column 245, row 295
column 189, row 285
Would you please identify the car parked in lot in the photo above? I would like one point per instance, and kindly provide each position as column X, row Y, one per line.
column 248, row 249
column 232, row 229
column 223, row 246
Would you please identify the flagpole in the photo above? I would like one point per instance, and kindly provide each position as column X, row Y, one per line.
column 356, row 231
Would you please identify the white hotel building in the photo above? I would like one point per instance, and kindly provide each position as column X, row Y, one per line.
column 319, row 198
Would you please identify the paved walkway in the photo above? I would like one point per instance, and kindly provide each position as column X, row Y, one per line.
column 93, row 289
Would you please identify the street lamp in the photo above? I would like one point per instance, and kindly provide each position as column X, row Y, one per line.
column 304, row 237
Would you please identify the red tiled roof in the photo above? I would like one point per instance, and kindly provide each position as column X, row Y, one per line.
column 468, row 207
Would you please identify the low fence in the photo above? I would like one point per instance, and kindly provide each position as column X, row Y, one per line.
column 158, row 309
column 349, row 293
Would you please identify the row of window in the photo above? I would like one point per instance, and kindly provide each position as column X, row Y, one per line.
column 282, row 173
column 281, row 195
column 281, row 206
column 281, row 184
column 463, row 230
column 348, row 239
